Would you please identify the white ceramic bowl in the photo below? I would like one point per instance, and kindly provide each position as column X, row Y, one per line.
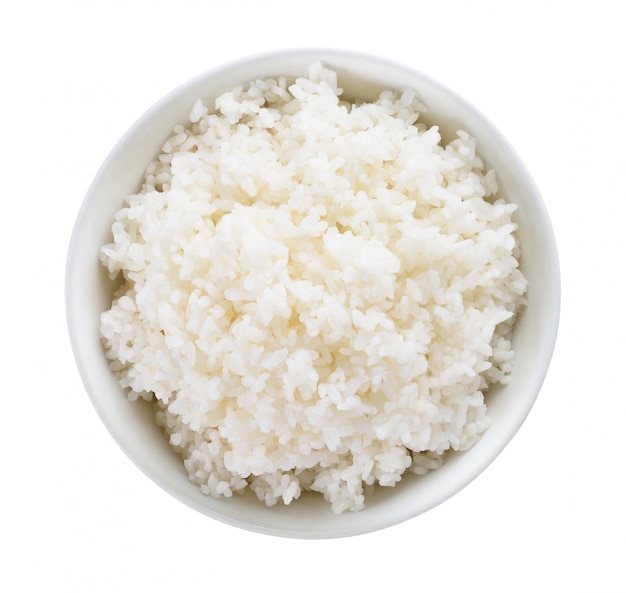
column 88, row 293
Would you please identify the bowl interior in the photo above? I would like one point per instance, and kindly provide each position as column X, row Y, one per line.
column 89, row 292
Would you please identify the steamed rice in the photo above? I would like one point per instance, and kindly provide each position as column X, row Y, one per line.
column 316, row 294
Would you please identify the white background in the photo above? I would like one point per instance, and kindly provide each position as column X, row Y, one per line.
column 548, row 515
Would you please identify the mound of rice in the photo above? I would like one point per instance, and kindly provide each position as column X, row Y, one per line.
column 316, row 294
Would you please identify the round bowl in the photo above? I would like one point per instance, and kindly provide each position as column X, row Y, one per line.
column 89, row 293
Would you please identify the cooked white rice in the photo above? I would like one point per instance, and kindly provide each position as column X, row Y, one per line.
column 316, row 294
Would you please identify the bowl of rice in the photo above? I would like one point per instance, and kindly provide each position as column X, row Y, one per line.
column 312, row 293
